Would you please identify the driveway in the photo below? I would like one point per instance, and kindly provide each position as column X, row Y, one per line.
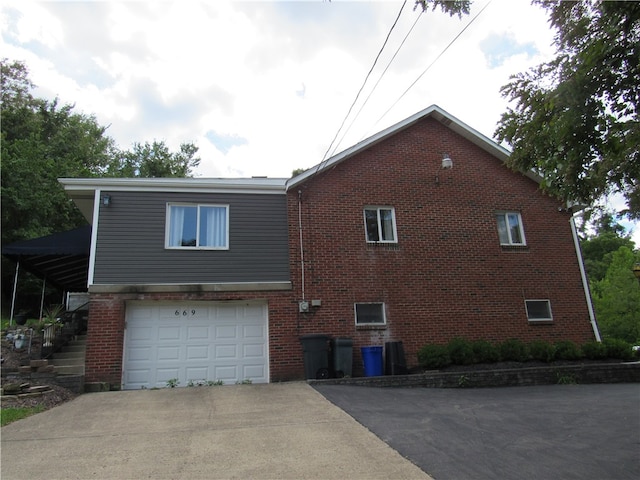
column 544, row 432
column 240, row 431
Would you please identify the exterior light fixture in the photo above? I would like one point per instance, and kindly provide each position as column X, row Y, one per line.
column 106, row 200
column 447, row 163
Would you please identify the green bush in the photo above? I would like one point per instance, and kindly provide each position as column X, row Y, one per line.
column 617, row 348
column 567, row 350
column 434, row 356
column 594, row 350
column 485, row 352
column 514, row 350
column 542, row 351
column 460, row 351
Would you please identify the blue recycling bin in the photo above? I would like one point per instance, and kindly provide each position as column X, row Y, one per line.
column 372, row 360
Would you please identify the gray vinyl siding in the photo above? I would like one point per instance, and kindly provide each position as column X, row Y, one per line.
column 130, row 246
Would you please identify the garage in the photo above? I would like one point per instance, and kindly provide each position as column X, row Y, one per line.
column 194, row 343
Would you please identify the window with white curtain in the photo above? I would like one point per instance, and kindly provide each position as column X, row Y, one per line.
column 198, row 226
column 380, row 224
column 510, row 228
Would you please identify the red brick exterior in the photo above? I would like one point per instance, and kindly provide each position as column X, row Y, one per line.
column 447, row 276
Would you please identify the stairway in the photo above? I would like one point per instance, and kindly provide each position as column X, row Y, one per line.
column 70, row 359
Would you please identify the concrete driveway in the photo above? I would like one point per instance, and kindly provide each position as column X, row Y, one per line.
column 546, row 432
column 243, row 431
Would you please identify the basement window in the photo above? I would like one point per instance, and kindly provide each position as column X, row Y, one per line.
column 538, row 310
column 370, row 314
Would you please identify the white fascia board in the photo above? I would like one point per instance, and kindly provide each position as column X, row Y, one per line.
column 434, row 111
column 197, row 185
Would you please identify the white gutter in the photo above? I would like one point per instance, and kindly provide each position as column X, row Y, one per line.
column 585, row 283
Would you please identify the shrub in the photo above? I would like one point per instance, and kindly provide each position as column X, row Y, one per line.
column 485, row 352
column 434, row 356
column 567, row 350
column 514, row 350
column 542, row 351
column 617, row 348
column 460, row 351
column 594, row 350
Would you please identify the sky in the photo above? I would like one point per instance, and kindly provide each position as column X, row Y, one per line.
column 263, row 87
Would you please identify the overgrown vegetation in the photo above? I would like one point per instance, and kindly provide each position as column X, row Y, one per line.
column 460, row 351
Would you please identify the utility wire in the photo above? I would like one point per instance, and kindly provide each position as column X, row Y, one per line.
column 434, row 61
column 379, row 80
column 363, row 84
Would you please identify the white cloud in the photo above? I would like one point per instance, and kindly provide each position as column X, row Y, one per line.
column 176, row 71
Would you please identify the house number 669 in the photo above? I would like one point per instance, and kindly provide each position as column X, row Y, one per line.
column 185, row 313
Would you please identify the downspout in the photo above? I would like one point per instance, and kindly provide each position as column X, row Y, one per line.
column 301, row 245
column 585, row 283
column 13, row 296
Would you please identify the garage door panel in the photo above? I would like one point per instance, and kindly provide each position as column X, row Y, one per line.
column 197, row 352
column 168, row 353
column 227, row 373
column 225, row 352
column 253, row 350
column 226, row 331
column 253, row 371
column 196, row 374
column 166, row 374
column 169, row 333
column 199, row 341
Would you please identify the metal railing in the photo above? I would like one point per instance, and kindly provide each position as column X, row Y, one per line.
column 58, row 334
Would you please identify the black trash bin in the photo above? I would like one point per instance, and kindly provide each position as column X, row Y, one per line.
column 395, row 362
column 342, row 354
column 316, row 355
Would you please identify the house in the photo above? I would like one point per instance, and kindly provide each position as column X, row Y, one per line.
column 417, row 234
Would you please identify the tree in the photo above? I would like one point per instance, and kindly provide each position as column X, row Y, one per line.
column 155, row 160
column 598, row 249
column 575, row 120
column 616, row 298
column 455, row 7
column 42, row 141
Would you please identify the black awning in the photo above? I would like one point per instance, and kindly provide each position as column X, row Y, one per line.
column 62, row 258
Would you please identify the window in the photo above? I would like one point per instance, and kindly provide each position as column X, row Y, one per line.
column 198, row 226
column 538, row 310
column 370, row 314
column 380, row 224
column 510, row 229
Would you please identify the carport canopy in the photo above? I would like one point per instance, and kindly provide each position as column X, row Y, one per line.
column 62, row 259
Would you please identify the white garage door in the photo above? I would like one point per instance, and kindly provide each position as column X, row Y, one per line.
column 194, row 342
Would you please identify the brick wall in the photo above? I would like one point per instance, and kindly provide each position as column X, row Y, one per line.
column 447, row 276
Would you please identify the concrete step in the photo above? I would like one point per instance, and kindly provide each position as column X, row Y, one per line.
column 62, row 354
column 70, row 369
column 74, row 348
column 67, row 361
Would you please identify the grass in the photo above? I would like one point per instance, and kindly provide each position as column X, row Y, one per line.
column 11, row 414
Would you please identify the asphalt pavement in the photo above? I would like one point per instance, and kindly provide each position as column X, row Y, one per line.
column 550, row 432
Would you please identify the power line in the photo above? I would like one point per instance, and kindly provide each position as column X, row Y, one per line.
column 434, row 61
column 363, row 84
column 379, row 80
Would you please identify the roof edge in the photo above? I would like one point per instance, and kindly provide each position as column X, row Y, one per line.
column 434, row 111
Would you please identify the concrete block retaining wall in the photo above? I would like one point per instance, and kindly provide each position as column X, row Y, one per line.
column 547, row 375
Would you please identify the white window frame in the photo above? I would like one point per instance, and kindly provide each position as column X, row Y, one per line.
column 549, row 318
column 383, row 311
column 379, row 219
column 505, row 217
column 197, row 246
